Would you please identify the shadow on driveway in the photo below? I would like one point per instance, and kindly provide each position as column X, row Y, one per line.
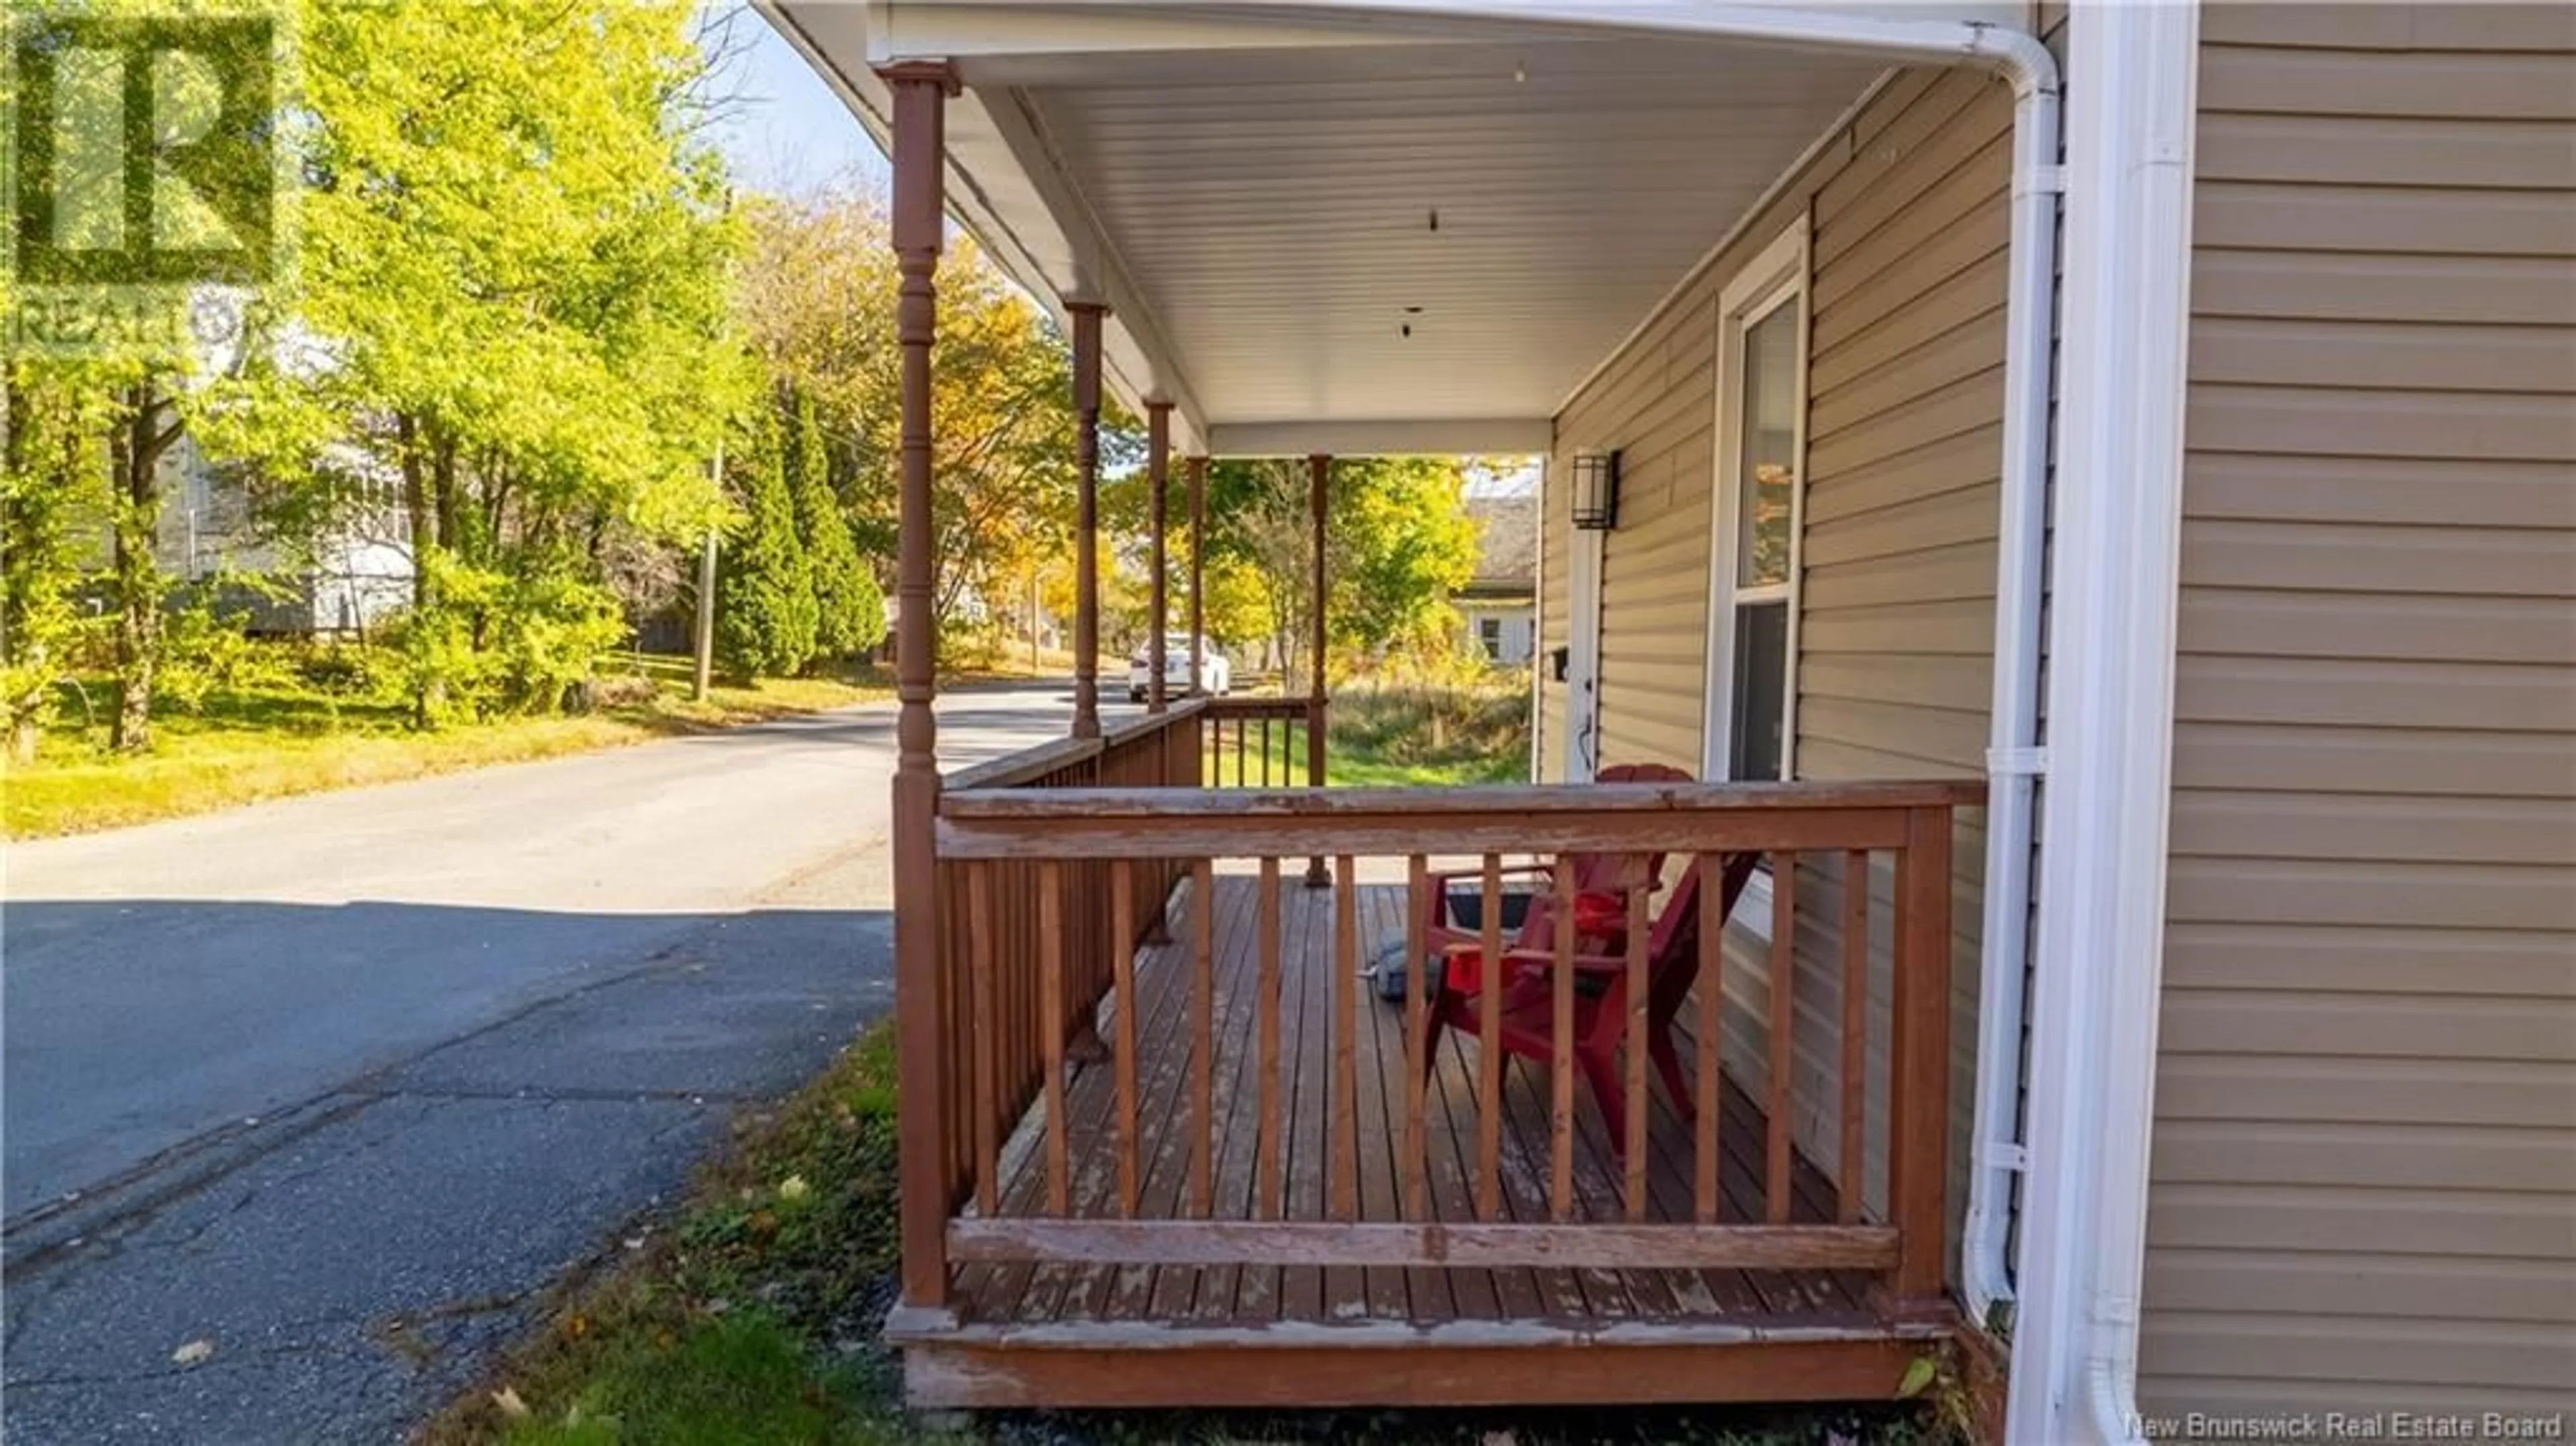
column 348, row 1146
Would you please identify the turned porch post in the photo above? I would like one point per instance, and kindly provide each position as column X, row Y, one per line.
column 1158, row 484
column 1086, row 516
column 1319, row 476
column 1198, row 568
column 921, row 94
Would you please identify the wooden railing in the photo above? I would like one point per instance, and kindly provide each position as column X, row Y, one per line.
column 1030, row 864
column 1262, row 743
column 1026, row 950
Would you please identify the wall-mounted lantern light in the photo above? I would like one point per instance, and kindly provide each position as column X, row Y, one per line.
column 1596, row 490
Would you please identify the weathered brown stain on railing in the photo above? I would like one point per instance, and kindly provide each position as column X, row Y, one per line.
column 1066, row 852
column 1025, row 966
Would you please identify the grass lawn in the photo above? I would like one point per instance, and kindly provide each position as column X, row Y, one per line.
column 1352, row 764
column 752, row 1318
column 1400, row 737
column 282, row 738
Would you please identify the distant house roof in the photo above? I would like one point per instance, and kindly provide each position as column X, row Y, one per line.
column 1507, row 546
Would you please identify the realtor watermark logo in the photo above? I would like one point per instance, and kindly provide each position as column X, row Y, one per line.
column 2361, row 1428
column 146, row 174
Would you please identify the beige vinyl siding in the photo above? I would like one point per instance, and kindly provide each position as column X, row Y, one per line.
column 2364, row 1181
column 1907, row 209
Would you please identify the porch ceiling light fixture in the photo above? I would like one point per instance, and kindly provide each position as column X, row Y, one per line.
column 1596, row 490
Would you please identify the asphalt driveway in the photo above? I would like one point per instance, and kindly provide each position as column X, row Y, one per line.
column 336, row 1085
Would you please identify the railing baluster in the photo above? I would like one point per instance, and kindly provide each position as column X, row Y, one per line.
column 1122, row 912
column 1784, row 991
column 1268, row 1143
column 986, row 1030
column 1346, row 1021
column 1711, row 989
column 1633, row 1148
column 1560, row 1190
column 1417, row 1018
column 1203, row 991
column 1489, row 1053
column 1855, row 1090
column 1051, row 1008
column 1016, row 1027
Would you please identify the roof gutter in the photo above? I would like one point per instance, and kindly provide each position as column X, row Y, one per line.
column 2014, row 760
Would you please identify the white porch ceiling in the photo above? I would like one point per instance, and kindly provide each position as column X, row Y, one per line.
column 1260, row 216
column 1277, row 211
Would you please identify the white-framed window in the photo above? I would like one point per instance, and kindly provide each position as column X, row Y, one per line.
column 1489, row 636
column 1757, row 527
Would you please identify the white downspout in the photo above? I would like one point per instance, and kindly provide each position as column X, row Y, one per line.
column 2014, row 761
column 2111, row 706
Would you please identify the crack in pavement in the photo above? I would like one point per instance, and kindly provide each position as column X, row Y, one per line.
column 569, row 1096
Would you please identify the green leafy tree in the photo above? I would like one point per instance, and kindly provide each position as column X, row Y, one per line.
column 145, row 426
column 129, row 394
column 515, row 287
column 817, row 299
column 1238, row 608
column 52, row 482
column 1401, row 543
column 1398, row 544
column 849, row 606
column 765, row 612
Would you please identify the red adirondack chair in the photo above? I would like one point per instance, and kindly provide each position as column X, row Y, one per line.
column 1601, row 884
column 1528, row 1004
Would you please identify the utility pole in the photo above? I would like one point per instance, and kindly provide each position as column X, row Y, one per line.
column 707, row 596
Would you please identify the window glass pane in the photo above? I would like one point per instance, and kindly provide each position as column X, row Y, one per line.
column 1761, row 691
column 1769, row 464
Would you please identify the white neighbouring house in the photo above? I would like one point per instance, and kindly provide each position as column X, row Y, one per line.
column 356, row 574
column 1498, row 608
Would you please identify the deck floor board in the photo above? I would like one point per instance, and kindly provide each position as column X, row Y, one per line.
column 1166, row 1031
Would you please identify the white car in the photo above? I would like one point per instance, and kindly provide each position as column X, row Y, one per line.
column 1216, row 675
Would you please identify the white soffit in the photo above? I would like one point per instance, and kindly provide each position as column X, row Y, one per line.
column 1258, row 211
column 1277, row 210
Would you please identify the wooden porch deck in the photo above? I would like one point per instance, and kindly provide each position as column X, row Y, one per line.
column 1021, row 1329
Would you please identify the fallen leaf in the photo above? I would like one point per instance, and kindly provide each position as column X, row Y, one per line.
column 507, row 1398
column 1918, row 1377
column 193, row 1353
column 794, row 1188
column 578, row 1326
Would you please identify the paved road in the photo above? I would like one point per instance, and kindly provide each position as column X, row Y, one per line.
column 337, row 1083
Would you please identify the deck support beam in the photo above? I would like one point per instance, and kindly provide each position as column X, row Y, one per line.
column 1086, row 317
column 921, row 94
column 1103, row 1368
column 1319, row 483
